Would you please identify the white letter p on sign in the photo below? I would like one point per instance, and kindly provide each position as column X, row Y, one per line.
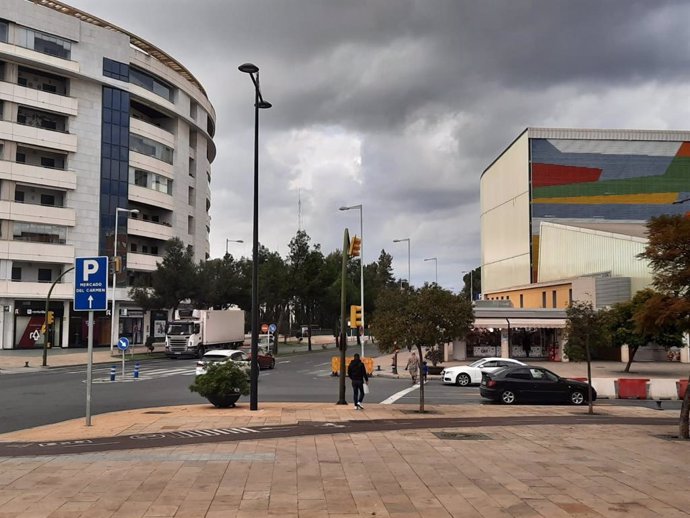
column 90, row 268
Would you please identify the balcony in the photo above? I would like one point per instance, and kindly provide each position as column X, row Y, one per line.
column 32, row 174
column 148, row 163
column 29, row 251
column 22, row 54
column 38, row 99
column 35, row 290
column 150, row 197
column 143, row 262
column 145, row 129
column 153, row 99
column 31, row 213
column 38, row 136
column 139, row 227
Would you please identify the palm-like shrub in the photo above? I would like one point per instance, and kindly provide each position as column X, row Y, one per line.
column 221, row 379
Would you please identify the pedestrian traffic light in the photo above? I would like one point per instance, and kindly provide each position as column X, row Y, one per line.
column 50, row 318
column 355, row 245
column 355, row 316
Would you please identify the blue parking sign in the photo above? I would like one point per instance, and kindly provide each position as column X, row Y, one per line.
column 90, row 283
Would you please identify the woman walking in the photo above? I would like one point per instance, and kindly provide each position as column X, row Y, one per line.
column 413, row 367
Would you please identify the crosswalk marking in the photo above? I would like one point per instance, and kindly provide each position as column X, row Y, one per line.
column 212, row 432
column 144, row 374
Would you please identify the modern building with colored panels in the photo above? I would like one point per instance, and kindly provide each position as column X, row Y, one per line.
column 95, row 122
column 588, row 193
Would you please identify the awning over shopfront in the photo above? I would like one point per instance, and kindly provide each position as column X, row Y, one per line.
column 502, row 323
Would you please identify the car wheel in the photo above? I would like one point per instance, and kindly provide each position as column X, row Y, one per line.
column 577, row 398
column 463, row 379
column 273, row 364
column 508, row 397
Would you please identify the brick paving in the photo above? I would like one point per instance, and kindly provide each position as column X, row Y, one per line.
column 512, row 471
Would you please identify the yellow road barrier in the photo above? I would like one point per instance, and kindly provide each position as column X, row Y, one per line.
column 335, row 364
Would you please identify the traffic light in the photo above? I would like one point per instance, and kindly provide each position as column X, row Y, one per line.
column 355, row 316
column 50, row 318
column 117, row 264
column 43, row 328
column 355, row 245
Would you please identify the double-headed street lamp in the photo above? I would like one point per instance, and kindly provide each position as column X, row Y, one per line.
column 361, row 264
column 409, row 281
column 259, row 103
column 435, row 260
column 113, row 334
column 231, row 241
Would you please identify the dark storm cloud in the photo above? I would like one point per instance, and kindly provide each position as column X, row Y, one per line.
column 401, row 104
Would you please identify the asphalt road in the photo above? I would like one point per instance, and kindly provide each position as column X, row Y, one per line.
column 58, row 394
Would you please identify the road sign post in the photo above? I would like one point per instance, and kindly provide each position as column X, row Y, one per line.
column 123, row 345
column 90, row 287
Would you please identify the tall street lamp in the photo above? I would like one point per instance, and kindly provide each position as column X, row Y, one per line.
column 259, row 103
column 113, row 334
column 361, row 264
column 409, row 281
column 435, row 260
column 231, row 241
column 471, row 272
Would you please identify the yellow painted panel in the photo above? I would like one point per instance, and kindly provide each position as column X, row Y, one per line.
column 631, row 199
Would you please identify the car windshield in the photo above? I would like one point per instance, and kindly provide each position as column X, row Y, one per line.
column 477, row 363
column 184, row 328
column 215, row 357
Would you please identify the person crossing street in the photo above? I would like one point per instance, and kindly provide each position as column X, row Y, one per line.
column 357, row 372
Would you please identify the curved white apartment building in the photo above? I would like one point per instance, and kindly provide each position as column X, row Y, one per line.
column 92, row 119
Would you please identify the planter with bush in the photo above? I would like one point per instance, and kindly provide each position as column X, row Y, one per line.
column 222, row 384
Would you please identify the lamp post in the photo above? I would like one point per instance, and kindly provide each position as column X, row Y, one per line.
column 361, row 264
column 113, row 334
column 259, row 103
column 409, row 281
column 231, row 241
column 435, row 260
column 471, row 272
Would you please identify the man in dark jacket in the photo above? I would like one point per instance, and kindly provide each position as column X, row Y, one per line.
column 358, row 374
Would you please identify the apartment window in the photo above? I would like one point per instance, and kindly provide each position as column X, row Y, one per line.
column 152, row 181
column 141, row 178
column 190, row 196
column 151, row 83
column 3, row 31
column 144, row 249
column 154, row 250
column 115, row 69
column 210, row 126
column 149, row 147
column 39, row 80
column 543, row 299
column 190, row 224
column 208, row 204
column 48, row 199
column 45, row 275
column 38, row 233
column 47, row 162
column 44, row 43
column 19, row 196
column 133, row 247
column 40, row 119
column 554, row 298
column 192, row 110
column 192, row 167
column 16, row 273
column 522, row 305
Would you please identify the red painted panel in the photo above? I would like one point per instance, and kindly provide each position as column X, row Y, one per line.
column 544, row 175
column 684, row 149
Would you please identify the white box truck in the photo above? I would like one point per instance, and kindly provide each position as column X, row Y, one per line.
column 194, row 332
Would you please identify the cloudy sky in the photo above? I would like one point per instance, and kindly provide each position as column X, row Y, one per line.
column 401, row 104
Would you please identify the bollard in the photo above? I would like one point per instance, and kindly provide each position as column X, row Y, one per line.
column 136, row 370
column 112, row 373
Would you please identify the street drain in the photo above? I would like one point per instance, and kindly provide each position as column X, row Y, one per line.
column 157, row 412
column 457, row 436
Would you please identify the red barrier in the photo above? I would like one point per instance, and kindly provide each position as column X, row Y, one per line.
column 682, row 387
column 632, row 388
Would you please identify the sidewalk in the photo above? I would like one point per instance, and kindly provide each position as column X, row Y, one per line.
column 549, row 471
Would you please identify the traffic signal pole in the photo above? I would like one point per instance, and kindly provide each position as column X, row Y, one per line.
column 343, row 322
column 45, row 321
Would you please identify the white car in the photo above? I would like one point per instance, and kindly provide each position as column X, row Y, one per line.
column 464, row 375
column 223, row 355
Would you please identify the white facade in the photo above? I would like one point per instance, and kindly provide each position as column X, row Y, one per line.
column 53, row 120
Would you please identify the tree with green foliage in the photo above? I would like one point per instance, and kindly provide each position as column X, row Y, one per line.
column 668, row 253
column 425, row 317
column 173, row 281
column 472, row 281
column 627, row 329
column 587, row 329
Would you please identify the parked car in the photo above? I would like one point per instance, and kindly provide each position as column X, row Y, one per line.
column 464, row 375
column 533, row 385
column 266, row 361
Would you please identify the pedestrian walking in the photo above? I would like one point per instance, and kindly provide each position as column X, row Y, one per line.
column 425, row 371
column 358, row 374
column 413, row 367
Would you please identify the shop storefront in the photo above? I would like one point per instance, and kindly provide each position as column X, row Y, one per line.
column 132, row 325
column 79, row 328
column 29, row 317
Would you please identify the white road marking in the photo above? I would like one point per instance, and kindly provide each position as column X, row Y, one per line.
column 398, row 395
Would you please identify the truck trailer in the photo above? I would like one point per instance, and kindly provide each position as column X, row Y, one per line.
column 194, row 332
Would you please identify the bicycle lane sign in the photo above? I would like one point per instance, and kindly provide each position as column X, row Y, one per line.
column 91, row 283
